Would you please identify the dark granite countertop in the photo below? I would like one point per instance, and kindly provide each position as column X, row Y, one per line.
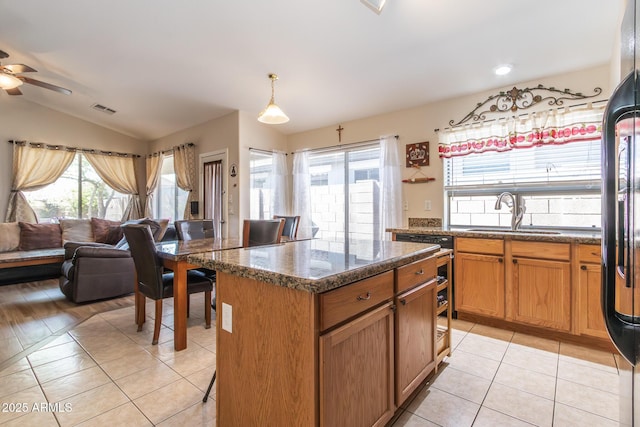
column 314, row 265
column 583, row 237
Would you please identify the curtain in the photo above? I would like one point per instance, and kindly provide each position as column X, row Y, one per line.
column 213, row 194
column 535, row 129
column 184, row 165
column 33, row 168
column 153, row 173
column 279, row 184
column 302, row 193
column 390, row 186
column 118, row 172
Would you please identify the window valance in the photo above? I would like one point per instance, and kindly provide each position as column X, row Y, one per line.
column 534, row 129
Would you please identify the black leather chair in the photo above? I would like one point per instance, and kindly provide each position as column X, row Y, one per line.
column 153, row 282
column 256, row 232
column 291, row 223
column 195, row 229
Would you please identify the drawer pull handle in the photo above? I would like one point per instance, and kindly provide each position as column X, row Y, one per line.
column 583, row 267
column 364, row 298
column 420, row 272
column 403, row 301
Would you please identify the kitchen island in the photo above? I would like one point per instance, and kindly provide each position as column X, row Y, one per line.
column 305, row 330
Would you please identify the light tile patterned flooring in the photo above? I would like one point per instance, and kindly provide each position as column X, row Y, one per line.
column 108, row 374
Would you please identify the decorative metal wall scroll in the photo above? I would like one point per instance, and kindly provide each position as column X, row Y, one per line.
column 417, row 154
column 521, row 99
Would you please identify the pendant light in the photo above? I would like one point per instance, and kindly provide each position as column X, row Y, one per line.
column 272, row 114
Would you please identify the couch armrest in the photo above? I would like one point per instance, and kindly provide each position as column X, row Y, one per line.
column 101, row 252
column 70, row 247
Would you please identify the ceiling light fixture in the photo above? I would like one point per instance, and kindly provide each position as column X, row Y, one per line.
column 375, row 5
column 9, row 81
column 272, row 114
column 502, row 70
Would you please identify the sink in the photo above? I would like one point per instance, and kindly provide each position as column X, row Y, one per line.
column 507, row 230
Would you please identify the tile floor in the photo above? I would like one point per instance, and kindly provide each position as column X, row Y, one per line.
column 103, row 372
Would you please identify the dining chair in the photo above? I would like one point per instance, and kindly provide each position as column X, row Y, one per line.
column 194, row 229
column 291, row 223
column 153, row 282
column 256, row 232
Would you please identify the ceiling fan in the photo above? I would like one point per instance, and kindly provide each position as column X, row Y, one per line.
column 10, row 80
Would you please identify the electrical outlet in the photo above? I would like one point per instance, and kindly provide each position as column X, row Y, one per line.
column 405, row 205
column 427, row 205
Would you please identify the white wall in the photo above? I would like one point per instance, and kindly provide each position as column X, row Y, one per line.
column 418, row 124
column 24, row 120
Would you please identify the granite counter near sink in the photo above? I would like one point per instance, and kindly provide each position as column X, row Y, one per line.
column 582, row 237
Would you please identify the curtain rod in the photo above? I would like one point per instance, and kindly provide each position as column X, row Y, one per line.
column 75, row 149
column 349, row 145
column 522, row 115
column 262, row 150
column 171, row 150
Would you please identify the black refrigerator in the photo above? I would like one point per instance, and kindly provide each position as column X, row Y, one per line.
column 621, row 217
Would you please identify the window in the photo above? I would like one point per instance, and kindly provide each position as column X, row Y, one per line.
column 345, row 192
column 169, row 200
column 260, row 165
column 559, row 183
column 78, row 193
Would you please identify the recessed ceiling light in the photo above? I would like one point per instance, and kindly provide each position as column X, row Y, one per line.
column 502, row 70
column 375, row 5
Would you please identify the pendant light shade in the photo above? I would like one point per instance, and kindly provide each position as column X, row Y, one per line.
column 272, row 114
column 9, row 81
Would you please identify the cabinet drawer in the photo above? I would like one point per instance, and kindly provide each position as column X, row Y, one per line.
column 415, row 273
column 543, row 250
column 345, row 302
column 590, row 253
column 480, row 246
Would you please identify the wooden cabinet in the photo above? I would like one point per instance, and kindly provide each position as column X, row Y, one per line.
column 542, row 293
column 356, row 371
column 415, row 337
column 479, row 272
column 590, row 318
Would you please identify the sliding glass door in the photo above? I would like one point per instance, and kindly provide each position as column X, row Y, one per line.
column 345, row 193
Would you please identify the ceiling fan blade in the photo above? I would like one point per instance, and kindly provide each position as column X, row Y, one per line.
column 3, row 54
column 45, row 85
column 19, row 68
column 14, row 91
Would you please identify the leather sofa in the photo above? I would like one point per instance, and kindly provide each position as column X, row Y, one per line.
column 93, row 271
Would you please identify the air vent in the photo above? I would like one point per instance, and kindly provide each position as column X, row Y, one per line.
column 104, row 109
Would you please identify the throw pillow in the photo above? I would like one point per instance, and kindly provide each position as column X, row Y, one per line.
column 39, row 236
column 106, row 231
column 9, row 236
column 76, row 230
column 164, row 224
column 156, row 231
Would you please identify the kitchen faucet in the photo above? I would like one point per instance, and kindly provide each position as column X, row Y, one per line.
column 516, row 205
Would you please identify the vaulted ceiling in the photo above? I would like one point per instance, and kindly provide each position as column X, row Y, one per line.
column 166, row 65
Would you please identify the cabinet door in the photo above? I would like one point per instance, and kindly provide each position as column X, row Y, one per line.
column 589, row 290
column 356, row 372
column 542, row 292
column 415, row 338
column 479, row 286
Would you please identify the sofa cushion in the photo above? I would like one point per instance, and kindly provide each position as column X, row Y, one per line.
column 156, row 230
column 39, row 236
column 76, row 230
column 106, row 231
column 9, row 236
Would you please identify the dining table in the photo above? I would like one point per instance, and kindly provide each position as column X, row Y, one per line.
column 174, row 255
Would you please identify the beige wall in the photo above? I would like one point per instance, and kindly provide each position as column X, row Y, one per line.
column 418, row 124
column 24, row 120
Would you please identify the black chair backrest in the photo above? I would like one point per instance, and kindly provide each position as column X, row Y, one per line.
column 195, row 229
column 258, row 232
column 145, row 257
column 290, row 225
